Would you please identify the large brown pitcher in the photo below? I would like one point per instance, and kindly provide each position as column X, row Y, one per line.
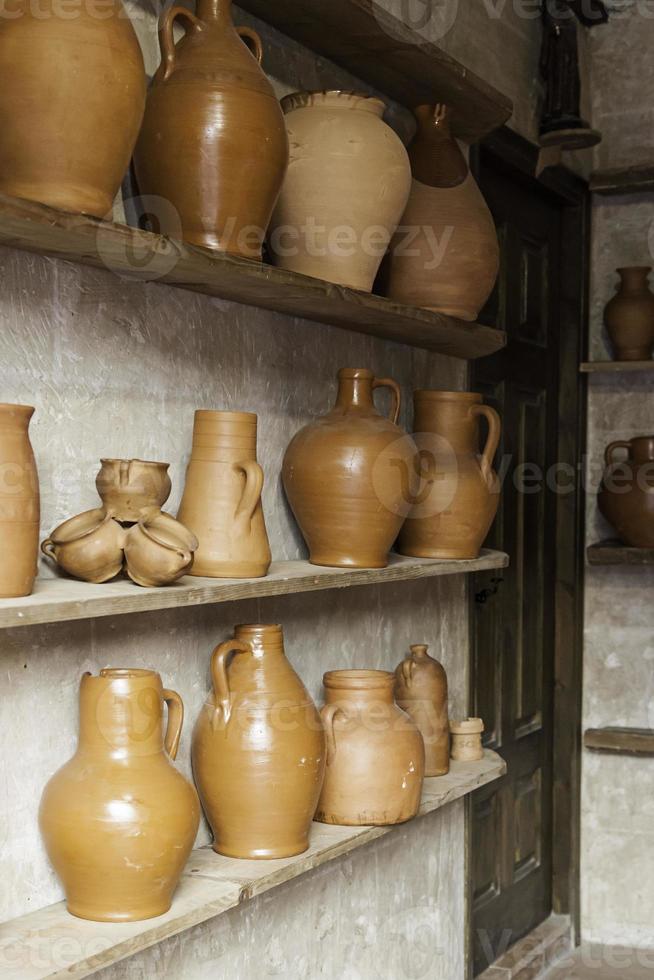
column 258, row 749
column 421, row 691
column 19, row 503
column 119, row 820
column 626, row 497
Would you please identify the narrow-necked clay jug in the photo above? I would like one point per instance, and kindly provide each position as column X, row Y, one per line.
column 222, row 497
column 131, row 489
column 446, row 255
column 19, row 502
column 346, row 187
column 375, row 753
column 258, row 749
column 348, row 476
column 421, row 691
column 71, row 102
column 213, row 141
column 629, row 316
column 626, row 497
column 119, row 820
column 459, row 493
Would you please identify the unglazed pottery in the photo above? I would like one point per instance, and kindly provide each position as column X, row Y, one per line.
column 71, row 103
column 19, row 500
column 213, row 142
column 132, row 488
column 158, row 551
column 346, row 187
column 118, row 820
column 626, row 497
column 349, row 475
column 258, row 749
column 445, row 256
column 421, row 691
column 466, row 740
column 375, row 753
column 629, row 316
column 459, row 493
column 88, row 547
column 222, row 497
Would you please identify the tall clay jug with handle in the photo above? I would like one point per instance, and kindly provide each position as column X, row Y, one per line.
column 421, row 691
column 19, row 503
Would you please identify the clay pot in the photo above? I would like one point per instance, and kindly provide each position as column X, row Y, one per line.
column 345, row 189
column 348, row 476
column 19, row 500
column 421, row 691
column 445, row 256
column 626, row 496
column 88, row 547
column 222, row 497
column 71, row 103
column 629, row 316
column 158, row 551
column 375, row 753
column 132, row 488
column 459, row 493
column 118, row 820
column 258, row 749
column 213, row 141
column 466, row 740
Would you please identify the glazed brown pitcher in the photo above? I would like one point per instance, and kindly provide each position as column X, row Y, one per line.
column 626, row 497
column 19, row 503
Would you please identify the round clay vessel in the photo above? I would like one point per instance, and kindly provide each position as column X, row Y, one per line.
column 213, row 142
column 19, row 501
column 466, row 740
column 158, row 551
column 421, row 691
column 258, row 749
column 346, row 187
column 118, row 820
column 71, row 113
column 629, row 316
column 132, row 488
column 88, row 547
column 626, row 496
column 349, row 476
column 459, row 492
column 375, row 753
column 445, row 256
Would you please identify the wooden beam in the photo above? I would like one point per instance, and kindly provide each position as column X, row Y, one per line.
column 616, row 553
column 623, row 180
column 615, row 367
column 626, row 741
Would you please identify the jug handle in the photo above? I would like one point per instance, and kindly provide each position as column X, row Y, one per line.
column 251, row 491
column 492, row 442
column 219, row 659
column 247, row 34
column 397, row 395
column 408, row 667
column 175, row 722
column 328, row 713
column 166, row 38
column 48, row 548
column 611, row 448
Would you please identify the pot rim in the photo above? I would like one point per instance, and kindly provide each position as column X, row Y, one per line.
column 225, row 416
column 435, row 394
column 19, row 409
column 302, row 99
column 122, row 673
column 358, row 680
column 142, row 462
column 634, row 268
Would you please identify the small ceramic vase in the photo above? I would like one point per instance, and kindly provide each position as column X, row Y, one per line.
column 626, row 496
column 132, row 488
column 88, row 547
column 629, row 316
column 20, row 509
column 158, row 551
column 421, row 691
column 466, row 740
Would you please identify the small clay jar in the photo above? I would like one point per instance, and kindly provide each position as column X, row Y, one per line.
column 421, row 691
column 626, row 495
column 158, row 551
column 132, row 488
column 629, row 316
column 88, row 547
column 466, row 740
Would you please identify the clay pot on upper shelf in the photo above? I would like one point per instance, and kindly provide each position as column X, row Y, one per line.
column 132, row 488
column 375, row 753
column 629, row 316
column 88, row 547
column 626, row 495
column 71, row 103
column 20, row 509
column 349, row 475
column 466, row 740
column 421, row 691
column 459, row 493
column 159, row 550
column 213, row 145
column 446, row 255
column 258, row 749
column 119, row 820
column 346, row 187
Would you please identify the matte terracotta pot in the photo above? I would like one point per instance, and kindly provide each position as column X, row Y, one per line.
column 158, row 551
column 222, row 497
column 459, row 493
column 19, row 502
column 421, row 691
column 132, row 488
column 213, row 142
column 348, row 476
column 89, row 546
column 626, row 496
column 119, row 820
column 71, row 102
column 446, row 255
column 346, row 187
column 258, row 749
column 375, row 753
column 629, row 316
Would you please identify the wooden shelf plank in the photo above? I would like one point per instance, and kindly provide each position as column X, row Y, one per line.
column 615, row 367
column 626, row 741
column 52, row 945
column 614, row 552
column 137, row 254
column 623, row 180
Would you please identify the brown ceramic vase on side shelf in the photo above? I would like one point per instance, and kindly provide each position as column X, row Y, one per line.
column 629, row 316
column 258, row 749
column 466, row 740
column 132, row 488
column 19, row 503
column 626, row 496
column 421, row 691
column 118, row 820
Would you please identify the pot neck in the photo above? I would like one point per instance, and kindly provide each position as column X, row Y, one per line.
column 355, row 391
column 215, row 11
column 450, row 419
column 419, row 654
column 634, row 279
column 436, row 158
column 265, row 641
column 359, row 687
column 121, row 713
column 642, row 450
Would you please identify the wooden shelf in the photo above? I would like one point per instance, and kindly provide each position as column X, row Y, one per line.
column 615, row 553
column 382, row 50
column 625, row 180
column 625, row 741
column 615, row 367
column 138, row 254
column 52, row 944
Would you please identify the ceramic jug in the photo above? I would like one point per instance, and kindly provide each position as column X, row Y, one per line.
column 375, row 753
column 71, row 103
column 258, row 749
column 626, row 496
column 221, row 504
column 459, row 492
column 629, row 316
column 213, row 142
column 19, row 502
column 421, row 691
column 132, row 488
column 88, row 547
column 345, row 189
column 118, row 820
column 349, row 476
column 446, row 255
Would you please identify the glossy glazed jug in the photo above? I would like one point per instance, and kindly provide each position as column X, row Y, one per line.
column 626, row 496
column 421, row 691
column 20, row 508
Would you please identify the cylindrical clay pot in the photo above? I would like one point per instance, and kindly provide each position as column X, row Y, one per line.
column 626, row 496
column 421, row 691
column 629, row 316
column 19, row 503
